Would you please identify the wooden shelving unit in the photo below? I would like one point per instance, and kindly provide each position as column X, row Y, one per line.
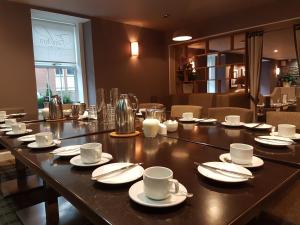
column 228, row 65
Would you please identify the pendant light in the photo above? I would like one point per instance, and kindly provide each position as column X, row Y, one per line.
column 181, row 36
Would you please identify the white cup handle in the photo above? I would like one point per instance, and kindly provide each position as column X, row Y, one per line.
column 226, row 119
column 176, row 184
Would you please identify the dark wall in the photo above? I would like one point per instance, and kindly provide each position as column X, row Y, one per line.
column 145, row 75
column 268, row 78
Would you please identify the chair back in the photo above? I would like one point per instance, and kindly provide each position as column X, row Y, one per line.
column 177, row 110
column 219, row 113
column 151, row 105
column 205, row 100
column 275, row 118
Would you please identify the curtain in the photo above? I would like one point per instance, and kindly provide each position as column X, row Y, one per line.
column 254, row 47
column 297, row 43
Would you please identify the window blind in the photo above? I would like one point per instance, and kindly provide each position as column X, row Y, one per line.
column 53, row 42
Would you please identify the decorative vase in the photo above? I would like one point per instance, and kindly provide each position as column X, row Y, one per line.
column 286, row 84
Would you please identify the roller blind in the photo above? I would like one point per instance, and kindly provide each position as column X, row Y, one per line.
column 53, row 42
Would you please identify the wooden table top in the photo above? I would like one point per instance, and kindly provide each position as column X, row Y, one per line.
column 213, row 203
column 221, row 137
column 61, row 130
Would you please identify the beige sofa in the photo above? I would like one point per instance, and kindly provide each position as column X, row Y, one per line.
column 291, row 92
column 207, row 100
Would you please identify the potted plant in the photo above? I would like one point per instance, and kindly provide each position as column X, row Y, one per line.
column 287, row 80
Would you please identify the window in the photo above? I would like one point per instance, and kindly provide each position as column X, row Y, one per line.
column 211, row 82
column 57, row 57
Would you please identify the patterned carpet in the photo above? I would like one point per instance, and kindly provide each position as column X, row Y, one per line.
column 7, row 206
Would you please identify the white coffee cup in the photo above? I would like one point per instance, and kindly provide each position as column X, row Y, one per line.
column 91, row 152
column 9, row 122
column 241, row 153
column 44, row 138
column 232, row 119
column 187, row 115
column 158, row 182
column 150, row 127
column 2, row 114
column 286, row 130
column 18, row 128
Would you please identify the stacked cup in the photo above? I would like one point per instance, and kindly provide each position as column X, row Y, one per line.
column 2, row 116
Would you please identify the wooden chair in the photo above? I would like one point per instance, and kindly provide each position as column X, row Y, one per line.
column 275, row 118
column 219, row 113
column 177, row 110
column 151, row 106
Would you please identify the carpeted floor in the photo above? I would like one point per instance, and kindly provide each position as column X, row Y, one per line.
column 7, row 205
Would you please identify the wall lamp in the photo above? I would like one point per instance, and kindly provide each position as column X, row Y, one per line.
column 134, row 48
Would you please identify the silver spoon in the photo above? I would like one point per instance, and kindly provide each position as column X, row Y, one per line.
column 187, row 194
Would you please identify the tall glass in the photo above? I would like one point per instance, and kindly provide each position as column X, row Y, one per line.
column 101, row 106
column 114, row 96
column 111, row 107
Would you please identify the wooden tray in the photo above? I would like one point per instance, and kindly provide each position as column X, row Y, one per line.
column 114, row 134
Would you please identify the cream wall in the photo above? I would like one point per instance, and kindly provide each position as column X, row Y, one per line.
column 17, row 79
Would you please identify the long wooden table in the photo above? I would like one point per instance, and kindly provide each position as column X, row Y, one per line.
column 219, row 136
column 213, row 202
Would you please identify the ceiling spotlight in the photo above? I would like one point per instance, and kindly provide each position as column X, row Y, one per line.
column 275, row 50
column 181, row 36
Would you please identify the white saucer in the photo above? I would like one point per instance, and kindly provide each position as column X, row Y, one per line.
column 262, row 126
column 70, row 150
column 296, row 137
column 136, row 193
column 223, row 176
column 105, row 157
column 6, row 129
column 34, row 145
column 16, row 114
column 256, row 162
column 118, row 177
column 188, row 120
column 11, row 133
column 27, row 138
column 209, row 120
column 232, row 125
column 273, row 142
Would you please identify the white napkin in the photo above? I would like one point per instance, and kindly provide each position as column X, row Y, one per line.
column 85, row 115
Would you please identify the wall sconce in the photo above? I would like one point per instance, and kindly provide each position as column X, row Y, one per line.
column 277, row 71
column 134, row 48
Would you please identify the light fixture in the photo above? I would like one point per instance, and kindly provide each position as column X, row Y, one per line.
column 275, row 50
column 181, row 36
column 277, row 71
column 134, row 48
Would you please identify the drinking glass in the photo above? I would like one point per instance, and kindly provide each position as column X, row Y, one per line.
column 156, row 113
column 75, row 110
column 92, row 112
column 114, row 96
column 111, row 107
column 101, row 106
